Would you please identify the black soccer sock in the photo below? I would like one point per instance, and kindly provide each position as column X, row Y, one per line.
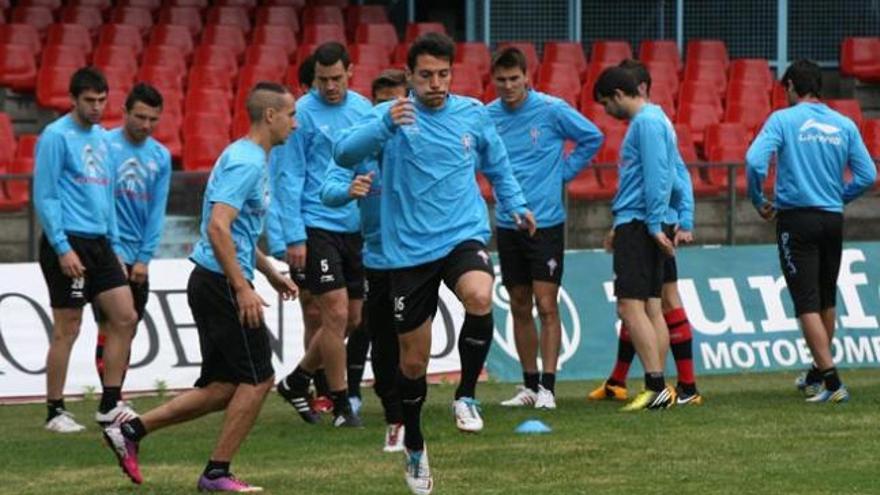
column 831, row 379
column 133, row 430
column 655, row 382
column 322, row 388
column 340, row 402
column 298, row 380
column 473, row 347
column 548, row 381
column 55, row 408
column 814, row 375
column 109, row 398
column 356, row 349
column 530, row 380
column 412, row 396
column 216, row 469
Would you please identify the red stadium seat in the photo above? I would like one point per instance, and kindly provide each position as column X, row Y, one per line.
column 122, row 35
column 703, row 50
column 849, row 108
column 151, row 5
column 120, row 57
column 182, row 16
column 369, row 55
column 247, row 4
column 609, row 154
column 167, row 132
column 52, row 87
column 201, row 100
column 356, row 15
column 303, row 52
column 565, row 52
column 322, row 33
column 663, row 75
column 528, row 49
column 476, row 55
column 871, row 135
column 72, row 35
column 322, row 14
column 489, row 92
column 179, row 37
column 52, row 5
column 21, row 34
column 135, row 16
column 712, row 71
column 686, row 146
column 860, row 58
column 561, row 77
column 719, row 175
column 90, row 17
column 747, row 91
column 202, row 150
column 210, row 77
column 466, row 81
column 282, row 36
column 252, row 74
column 377, row 34
column 754, row 71
column 71, row 56
column 18, row 190
column 661, row 96
column 103, row 5
column 400, row 52
column 570, row 94
column 38, row 17
column 593, row 71
column 362, row 78
column 267, row 56
column 612, row 52
column 725, row 135
column 166, row 56
column 230, row 16
column 416, row 29
column 163, row 77
column 277, row 16
column 199, row 4
column 286, row 3
column 119, row 78
column 596, row 113
column 697, row 116
column 217, row 56
column 229, row 36
column 586, row 187
column 18, row 70
column 700, row 92
column 341, row 4
column 199, row 123
column 113, row 115
column 660, row 51
column 779, row 97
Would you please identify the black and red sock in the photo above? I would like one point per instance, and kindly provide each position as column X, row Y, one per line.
column 681, row 341
column 626, row 352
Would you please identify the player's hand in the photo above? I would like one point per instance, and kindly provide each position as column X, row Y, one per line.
column 608, row 241
column 296, row 256
column 665, row 244
column 71, row 266
column 526, row 222
column 360, row 186
column 402, row 112
column 683, row 237
column 250, row 307
column 138, row 273
column 284, row 286
column 767, row 212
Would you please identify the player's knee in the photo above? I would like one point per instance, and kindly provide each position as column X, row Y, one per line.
column 414, row 365
column 548, row 309
column 66, row 328
column 266, row 385
column 477, row 302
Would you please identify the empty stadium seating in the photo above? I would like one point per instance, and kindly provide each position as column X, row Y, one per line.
column 860, row 58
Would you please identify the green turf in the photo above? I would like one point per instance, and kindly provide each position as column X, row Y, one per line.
column 753, row 435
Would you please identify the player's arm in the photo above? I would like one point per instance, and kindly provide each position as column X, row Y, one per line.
column 658, row 177
column 283, row 285
column 155, row 220
column 768, row 141
column 336, row 189
column 495, row 165
column 288, row 163
column 682, row 201
column 367, row 137
column 587, row 138
column 864, row 172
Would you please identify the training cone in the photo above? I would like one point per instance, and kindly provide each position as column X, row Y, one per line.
column 533, row 426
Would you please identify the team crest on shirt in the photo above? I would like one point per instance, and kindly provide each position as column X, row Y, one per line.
column 132, row 179
column 467, row 142
column 534, row 133
column 93, row 166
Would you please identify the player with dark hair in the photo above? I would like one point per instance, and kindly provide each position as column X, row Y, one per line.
column 813, row 145
column 535, row 127
column 306, row 73
column 73, row 197
column 678, row 225
column 388, row 85
column 434, row 226
column 236, row 371
column 143, row 176
column 647, row 175
column 323, row 244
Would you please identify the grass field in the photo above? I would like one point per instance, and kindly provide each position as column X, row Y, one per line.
column 754, row 434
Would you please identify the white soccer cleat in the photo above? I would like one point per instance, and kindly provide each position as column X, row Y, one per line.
column 546, row 399
column 418, row 473
column 524, row 397
column 394, row 438
column 64, row 423
column 118, row 415
column 467, row 415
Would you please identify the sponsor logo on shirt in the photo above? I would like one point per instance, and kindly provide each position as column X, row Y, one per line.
column 132, row 179
column 814, row 131
column 93, row 167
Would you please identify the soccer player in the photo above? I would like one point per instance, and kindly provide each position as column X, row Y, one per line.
column 434, row 226
column 678, row 225
column 73, row 196
column 647, row 160
column 535, row 127
column 143, row 176
column 323, row 244
column 813, row 145
column 236, row 371
column 364, row 184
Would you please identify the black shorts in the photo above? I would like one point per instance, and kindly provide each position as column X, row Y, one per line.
column 638, row 262
column 810, row 243
column 670, row 268
column 415, row 290
column 231, row 353
column 333, row 261
column 378, row 308
column 139, row 292
column 527, row 259
column 103, row 271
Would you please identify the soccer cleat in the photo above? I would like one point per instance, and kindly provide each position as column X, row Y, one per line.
column 322, row 404
column 228, row 483
column 684, row 399
column 355, row 403
column 608, row 391
column 299, row 401
column 808, row 388
column 648, row 399
column 833, row 396
column 125, row 451
column 418, row 473
column 64, row 423
column 347, row 420
column 546, row 399
column 524, row 397
column 467, row 415
column 394, row 438
column 118, row 415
